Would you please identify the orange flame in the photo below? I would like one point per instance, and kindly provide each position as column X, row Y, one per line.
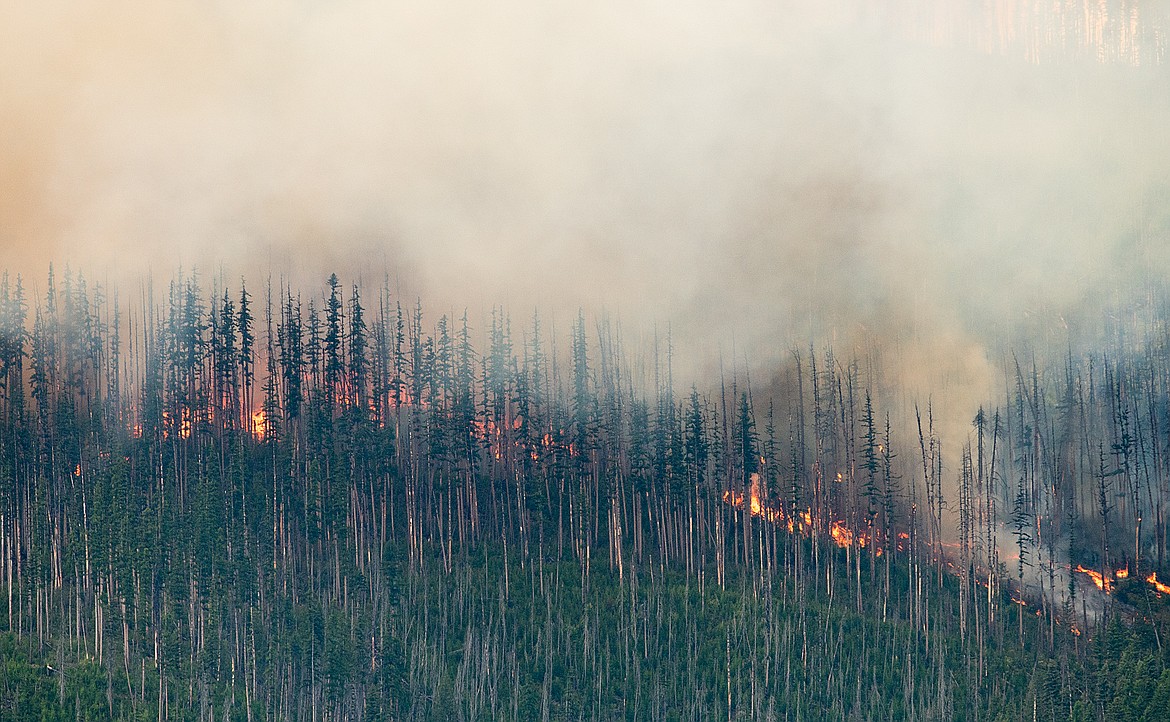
column 259, row 424
column 755, row 503
column 841, row 534
column 184, row 424
column 1162, row 588
column 1097, row 577
column 800, row 522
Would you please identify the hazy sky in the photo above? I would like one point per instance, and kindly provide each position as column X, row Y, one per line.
column 747, row 170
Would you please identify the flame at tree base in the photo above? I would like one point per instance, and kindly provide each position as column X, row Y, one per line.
column 1153, row 580
column 805, row 523
column 801, row 522
column 1102, row 583
column 259, row 425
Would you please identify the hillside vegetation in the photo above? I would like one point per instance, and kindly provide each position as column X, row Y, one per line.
column 331, row 505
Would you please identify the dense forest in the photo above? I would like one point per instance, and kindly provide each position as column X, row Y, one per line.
column 232, row 502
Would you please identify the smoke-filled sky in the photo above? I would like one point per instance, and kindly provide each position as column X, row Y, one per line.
column 750, row 171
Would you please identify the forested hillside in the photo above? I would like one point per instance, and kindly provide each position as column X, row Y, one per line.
column 229, row 501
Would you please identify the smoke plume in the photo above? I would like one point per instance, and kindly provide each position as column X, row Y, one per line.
column 756, row 174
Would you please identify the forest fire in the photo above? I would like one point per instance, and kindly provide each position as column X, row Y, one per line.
column 1098, row 578
column 801, row 522
column 1153, row 580
column 754, row 503
column 845, row 537
column 840, row 534
column 259, row 425
column 182, row 426
column 454, row 477
column 1104, row 584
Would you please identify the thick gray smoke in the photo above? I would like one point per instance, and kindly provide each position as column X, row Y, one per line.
column 758, row 174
